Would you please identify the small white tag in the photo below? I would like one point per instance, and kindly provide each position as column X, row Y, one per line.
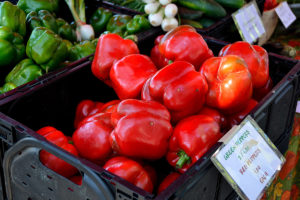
column 298, row 107
column 285, row 14
column 249, row 161
column 248, row 22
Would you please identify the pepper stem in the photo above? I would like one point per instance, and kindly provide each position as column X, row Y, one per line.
column 183, row 159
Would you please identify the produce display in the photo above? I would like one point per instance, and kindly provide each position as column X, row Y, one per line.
column 175, row 111
column 169, row 14
column 33, row 30
column 173, row 100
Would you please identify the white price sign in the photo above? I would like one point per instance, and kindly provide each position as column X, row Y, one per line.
column 249, row 23
column 285, row 14
column 248, row 160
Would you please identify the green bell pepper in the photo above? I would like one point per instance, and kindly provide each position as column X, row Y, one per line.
column 99, row 19
column 36, row 5
column 7, row 87
column 24, row 72
column 82, row 50
column 117, row 24
column 12, row 49
column 46, row 48
column 65, row 30
column 137, row 24
column 42, row 18
column 13, row 17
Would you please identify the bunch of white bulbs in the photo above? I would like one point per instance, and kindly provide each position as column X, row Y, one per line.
column 161, row 13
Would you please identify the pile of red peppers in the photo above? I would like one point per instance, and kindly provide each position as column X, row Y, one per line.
column 174, row 104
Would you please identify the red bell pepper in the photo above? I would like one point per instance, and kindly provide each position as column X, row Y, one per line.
column 110, row 48
column 86, row 108
column 216, row 115
column 91, row 138
column 256, row 58
column 142, row 132
column 260, row 93
column 58, row 165
column 129, row 74
column 130, row 106
column 230, row 83
column 236, row 118
column 179, row 87
column 167, row 181
column 191, row 139
column 76, row 179
column 52, row 162
column 185, row 44
column 110, row 106
column 53, row 135
column 131, row 171
column 158, row 59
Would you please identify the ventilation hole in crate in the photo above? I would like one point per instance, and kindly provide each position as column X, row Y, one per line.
column 32, row 166
column 24, row 183
column 120, row 196
column 50, row 177
column 204, row 189
column 28, row 175
column 135, row 195
column 29, row 198
column 20, row 152
column 49, row 188
column 70, row 189
column 87, row 199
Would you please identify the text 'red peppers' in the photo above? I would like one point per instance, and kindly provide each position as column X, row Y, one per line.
column 129, row 74
column 191, row 139
column 110, row 48
column 51, row 161
column 142, row 129
column 256, row 58
column 179, row 87
column 157, row 58
column 185, row 44
column 131, row 171
column 86, row 108
column 91, row 138
column 230, row 83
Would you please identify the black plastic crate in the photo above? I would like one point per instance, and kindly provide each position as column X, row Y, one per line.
column 223, row 29
column 53, row 102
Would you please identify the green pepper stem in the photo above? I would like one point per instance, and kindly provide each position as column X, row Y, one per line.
column 183, row 159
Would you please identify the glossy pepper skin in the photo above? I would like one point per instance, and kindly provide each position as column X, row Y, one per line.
column 260, row 93
column 178, row 87
column 24, row 72
column 256, row 58
column 230, row 83
column 117, row 24
column 191, row 139
column 216, row 115
column 12, row 48
column 141, row 132
column 52, row 162
column 13, row 17
column 100, row 19
column 129, row 74
column 137, row 24
column 157, row 58
column 131, row 171
column 185, row 44
column 85, row 108
column 36, row 5
column 82, row 50
column 42, row 18
column 91, row 138
column 110, row 48
column 46, row 48
column 168, row 180
column 65, row 30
